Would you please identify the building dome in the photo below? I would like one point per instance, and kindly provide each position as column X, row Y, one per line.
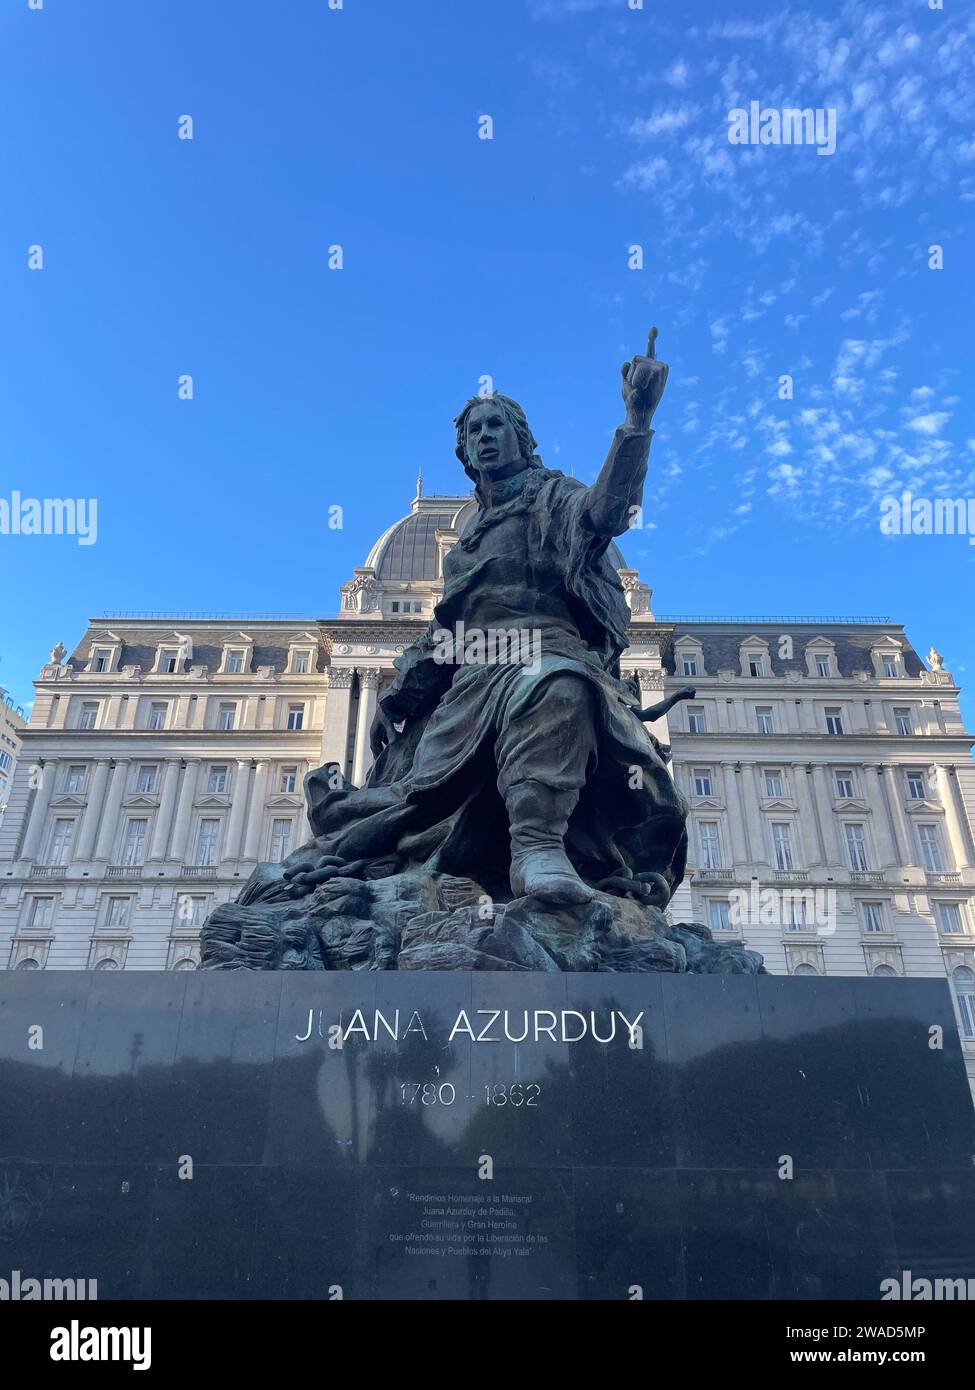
column 407, row 550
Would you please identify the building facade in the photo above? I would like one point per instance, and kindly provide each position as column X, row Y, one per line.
column 827, row 768
column 12, row 723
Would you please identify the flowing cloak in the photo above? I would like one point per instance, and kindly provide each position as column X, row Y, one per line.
column 432, row 796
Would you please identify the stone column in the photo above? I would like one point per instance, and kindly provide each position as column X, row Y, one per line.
column 108, row 828
column 231, row 845
column 38, row 813
column 164, row 817
column 338, row 707
column 93, row 810
column 813, row 845
column 760, row 853
column 824, row 800
column 184, row 809
column 255, row 818
column 368, row 694
column 907, row 854
column 736, row 818
column 874, row 777
column 956, row 830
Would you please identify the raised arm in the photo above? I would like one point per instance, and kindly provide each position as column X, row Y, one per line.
column 619, row 488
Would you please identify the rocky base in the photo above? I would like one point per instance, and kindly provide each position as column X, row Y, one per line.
column 429, row 921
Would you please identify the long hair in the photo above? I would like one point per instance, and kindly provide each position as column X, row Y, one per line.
column 515, row 416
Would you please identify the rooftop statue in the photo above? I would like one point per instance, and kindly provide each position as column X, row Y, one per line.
column 509, row 754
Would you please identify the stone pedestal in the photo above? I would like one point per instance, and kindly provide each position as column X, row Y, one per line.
column 480, row 1135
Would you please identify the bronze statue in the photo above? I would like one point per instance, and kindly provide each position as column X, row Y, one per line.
column 518, row 814
column 548, row 752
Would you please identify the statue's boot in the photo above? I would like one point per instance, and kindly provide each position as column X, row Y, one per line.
column 540, row 867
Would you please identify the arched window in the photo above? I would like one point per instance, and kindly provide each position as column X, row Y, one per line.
column 185, row 965
column 29, row 964
column 107, row 965
column 964, row 984
column 883, row 970
column 805, row 970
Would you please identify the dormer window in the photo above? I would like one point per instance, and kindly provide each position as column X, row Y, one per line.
column 235, row 661
column 301, row 663
column 889, row 664
column 822, row 667
column 103, row 655
column 169, row 660
column 102, row 660
column 688, row 665
column 755, row 666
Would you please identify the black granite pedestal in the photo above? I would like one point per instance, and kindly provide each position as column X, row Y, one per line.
column 482, row 1136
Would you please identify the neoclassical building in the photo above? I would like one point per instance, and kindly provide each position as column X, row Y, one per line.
column 828, row 771
column 12, row 722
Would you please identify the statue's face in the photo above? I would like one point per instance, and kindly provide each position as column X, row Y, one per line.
column 492, row 444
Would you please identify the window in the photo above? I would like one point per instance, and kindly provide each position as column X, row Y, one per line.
column 950, row 920
column 280, row 840
column 873, row 917
column 191, row 910
column 296, row 716
column 118, row 912
column 157, row 715
column 794, row 913
column 5, row 760
column 235, row 662
column 882, row 970
column 782, row 845
column 302, row 663
column 217, row 780
column 89, row 715
column 146, row 780
column 718, row 916
column 804, row 970
column 75, row 781
column 60, row 847
column 834, row 720
column 41, row 913
column 134, row 844
column 688, row 665
column 702, row 781
column 102, row 660
column 756, row 667
column 916, row 790
column 107, row 964
column 289, row 779
column 931, row 856
column 822, row 666
column 226, row 717
column 902, row 720
column 169, row 660
column 29, row 964
column 845, row 785
column 763, row 719
column 856, row 848
column 206, row 842
column 710, row 845
column 773, row 781
column 695, row 719
column 889, row 664
column 964, row 983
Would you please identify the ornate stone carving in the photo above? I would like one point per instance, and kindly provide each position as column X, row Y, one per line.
column 340, row 677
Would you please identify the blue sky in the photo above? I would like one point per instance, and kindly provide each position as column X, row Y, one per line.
column 462, row 256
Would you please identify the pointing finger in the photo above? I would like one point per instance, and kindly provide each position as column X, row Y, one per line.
column 652, row 343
